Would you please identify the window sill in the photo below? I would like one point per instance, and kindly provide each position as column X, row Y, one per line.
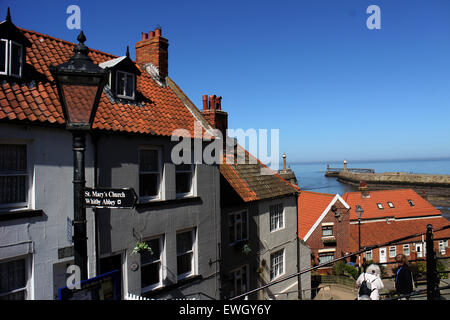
column 238, row 243
column 277, row 229
column 168, row 288
column 161, row 203
column 20, row 214
column 277, row 277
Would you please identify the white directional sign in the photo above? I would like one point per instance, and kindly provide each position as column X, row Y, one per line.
column 110, row 198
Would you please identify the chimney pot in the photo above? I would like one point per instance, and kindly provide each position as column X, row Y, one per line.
column 205, row 102
column 158, row 32
column 212, row 102
column 151, row 34
column 219, row 103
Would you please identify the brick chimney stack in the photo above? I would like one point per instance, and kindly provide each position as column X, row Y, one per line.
column 364, row 190
column 212, row 111
column 154, row 48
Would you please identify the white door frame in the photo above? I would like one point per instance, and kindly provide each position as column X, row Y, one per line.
column 383, row 258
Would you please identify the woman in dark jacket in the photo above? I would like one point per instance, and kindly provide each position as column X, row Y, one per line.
column 403, row 278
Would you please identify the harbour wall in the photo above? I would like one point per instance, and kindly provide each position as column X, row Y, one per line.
column 396, row 178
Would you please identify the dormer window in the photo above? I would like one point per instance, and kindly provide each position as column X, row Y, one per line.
column 11, row 60
column 125, row 85
column 122, row 76
column 12, row 48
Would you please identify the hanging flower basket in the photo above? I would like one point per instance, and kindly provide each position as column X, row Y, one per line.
column 142, row 247
column 246, row 249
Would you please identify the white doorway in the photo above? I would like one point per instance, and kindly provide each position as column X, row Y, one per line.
column 419, row 250
column 383, row 255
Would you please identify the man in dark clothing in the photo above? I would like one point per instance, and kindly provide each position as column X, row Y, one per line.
column 403, row 278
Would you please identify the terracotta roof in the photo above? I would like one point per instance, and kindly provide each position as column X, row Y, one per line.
column 246, row 178
column 158, row 110
column 399, row 199
column 374, row 233
column 311, row 206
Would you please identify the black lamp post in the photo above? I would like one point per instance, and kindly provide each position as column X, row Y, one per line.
column 80, row 84
column 359, row 212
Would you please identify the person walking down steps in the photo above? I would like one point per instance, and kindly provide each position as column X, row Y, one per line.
column 369, row 283
column 403, row 278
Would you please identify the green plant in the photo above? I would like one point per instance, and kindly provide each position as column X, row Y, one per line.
column 339, row 268
column 142, row 247
column 352, row 271
column 419, row 270
column 246, row 249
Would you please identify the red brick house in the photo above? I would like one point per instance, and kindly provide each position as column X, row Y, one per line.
column 323, row 223
column 393, row 214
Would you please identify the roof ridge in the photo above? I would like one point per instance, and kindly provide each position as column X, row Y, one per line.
column 319, row 193
column 379, row 191
column 66, row 42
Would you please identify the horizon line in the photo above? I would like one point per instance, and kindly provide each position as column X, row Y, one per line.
column 369, row 160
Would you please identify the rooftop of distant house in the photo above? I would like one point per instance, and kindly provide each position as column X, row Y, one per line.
column 398, row 203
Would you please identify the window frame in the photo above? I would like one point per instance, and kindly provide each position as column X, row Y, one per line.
column 28, row 274
column 369, row 255
column 20, row 60
column 330, row 256
column 124, row 91
column 391, row 204
column 278, row 217
column 234, row 292
column 406, row 252
column 159, row 172
column 327, row 227
column 161, row 261
column 6, row 72
column 392, row 255
column 279, row 253
column 235, row 226
column 411, row 203
column 29, row 185
column 380, row 206
column 193, row 250
column 192, row 173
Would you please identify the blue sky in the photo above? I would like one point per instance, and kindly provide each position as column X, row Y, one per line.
column 310, row 68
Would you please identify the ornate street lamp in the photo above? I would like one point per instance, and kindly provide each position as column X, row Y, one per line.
column 359, row 212
column 80, row 83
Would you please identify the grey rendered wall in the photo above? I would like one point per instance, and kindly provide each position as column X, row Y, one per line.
column 271, row 242
column 305, row 263
column 121, row 228
column 51, row 166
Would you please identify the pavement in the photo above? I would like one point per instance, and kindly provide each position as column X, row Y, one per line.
column 341, row 292
column 332, row 291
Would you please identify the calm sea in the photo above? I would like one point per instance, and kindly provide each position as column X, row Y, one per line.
column 311, row 176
